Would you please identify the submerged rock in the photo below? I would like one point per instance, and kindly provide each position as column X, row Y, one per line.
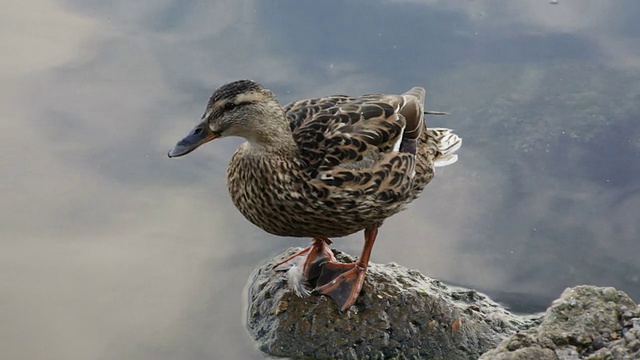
column 400, row 314
column 404, row 315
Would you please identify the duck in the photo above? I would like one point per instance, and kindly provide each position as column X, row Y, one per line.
column 323, row 168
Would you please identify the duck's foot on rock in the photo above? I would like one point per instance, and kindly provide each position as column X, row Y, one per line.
column 309, row 259
column 403, row 314
column 341, row 282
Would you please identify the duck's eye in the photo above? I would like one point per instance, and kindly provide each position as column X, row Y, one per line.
column 229, row 106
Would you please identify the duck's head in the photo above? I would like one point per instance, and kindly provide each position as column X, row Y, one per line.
column 240, row 108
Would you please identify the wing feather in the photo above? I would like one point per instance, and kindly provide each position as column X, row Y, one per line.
column 299, row 111
column 340, row 130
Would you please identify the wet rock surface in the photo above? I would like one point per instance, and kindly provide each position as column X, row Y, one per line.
column 586, row 322
column 401, row 314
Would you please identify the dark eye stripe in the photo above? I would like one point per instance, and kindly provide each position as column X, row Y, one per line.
column 230, row 105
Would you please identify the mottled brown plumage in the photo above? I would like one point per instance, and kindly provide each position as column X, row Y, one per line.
column 325, row 167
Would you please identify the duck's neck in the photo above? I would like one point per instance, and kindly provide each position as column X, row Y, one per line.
column 270, row 131
column 275, row 140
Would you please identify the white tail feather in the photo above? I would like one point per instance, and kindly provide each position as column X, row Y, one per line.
column 297, row 282
column 444, row 161
column 448, row 144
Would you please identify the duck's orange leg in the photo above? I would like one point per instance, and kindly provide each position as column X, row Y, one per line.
column 343, row 282
column 311, row 257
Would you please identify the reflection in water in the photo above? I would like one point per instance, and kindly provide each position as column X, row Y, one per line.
column 109, row 250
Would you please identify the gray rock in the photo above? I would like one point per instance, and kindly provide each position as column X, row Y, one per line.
column 401, row 314
column 586, row 322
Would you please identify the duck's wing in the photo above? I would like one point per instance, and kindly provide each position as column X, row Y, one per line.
column 355, row 145
column 300, row 111
column 365, row 146
column 341, row 131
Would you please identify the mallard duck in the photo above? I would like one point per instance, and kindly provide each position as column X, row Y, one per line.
column 323, row 168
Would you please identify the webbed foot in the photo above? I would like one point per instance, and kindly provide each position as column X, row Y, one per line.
column 341, row 282
column 306, row 265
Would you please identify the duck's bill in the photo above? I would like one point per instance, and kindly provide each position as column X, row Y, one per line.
column 200, row 135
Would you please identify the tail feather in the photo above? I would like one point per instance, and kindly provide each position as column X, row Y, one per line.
column 448, row 144
column 412, row 109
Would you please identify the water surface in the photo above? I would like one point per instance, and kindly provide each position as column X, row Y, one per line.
column 111, row 250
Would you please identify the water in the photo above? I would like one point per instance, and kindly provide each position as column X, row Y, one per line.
column 111, row 250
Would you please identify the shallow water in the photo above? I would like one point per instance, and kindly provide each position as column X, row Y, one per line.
column 111, row 250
